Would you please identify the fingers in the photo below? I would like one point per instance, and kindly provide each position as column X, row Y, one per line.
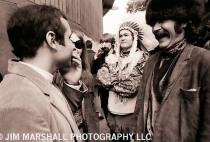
column 76, row 60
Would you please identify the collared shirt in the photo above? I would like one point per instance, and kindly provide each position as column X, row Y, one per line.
column 76, row 87
column 48, row 76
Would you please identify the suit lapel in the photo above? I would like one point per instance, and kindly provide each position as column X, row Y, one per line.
column 147, row 88
column 59, row 102
column 57, row 99
column 178, row 69
column 181, row 63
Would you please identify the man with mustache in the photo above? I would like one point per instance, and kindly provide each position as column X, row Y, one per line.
column 174, row 98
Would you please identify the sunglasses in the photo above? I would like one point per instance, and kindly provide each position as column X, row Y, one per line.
column 79, row 44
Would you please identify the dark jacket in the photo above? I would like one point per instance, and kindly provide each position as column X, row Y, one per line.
column 81, row 102
column 184, row 114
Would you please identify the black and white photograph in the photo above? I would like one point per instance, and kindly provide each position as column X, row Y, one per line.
column 104, row 71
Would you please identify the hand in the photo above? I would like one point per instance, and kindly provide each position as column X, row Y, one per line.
column 72, row 74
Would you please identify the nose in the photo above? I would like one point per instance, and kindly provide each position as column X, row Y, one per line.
column 156, row 27
column 76, row 51
column 122, row 38
column 103, row 44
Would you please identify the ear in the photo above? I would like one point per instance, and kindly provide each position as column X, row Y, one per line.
column 135, row 35
column 50, row 39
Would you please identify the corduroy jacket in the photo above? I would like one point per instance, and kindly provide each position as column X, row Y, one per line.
column 31, row 106
column 184, row 113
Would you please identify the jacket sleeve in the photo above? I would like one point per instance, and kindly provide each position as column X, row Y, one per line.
column 74, row 96
column 106, row 76
column 131, row 83
column 128, row 84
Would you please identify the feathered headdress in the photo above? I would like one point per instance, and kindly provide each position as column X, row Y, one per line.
column 133, row 27
column 134, row 55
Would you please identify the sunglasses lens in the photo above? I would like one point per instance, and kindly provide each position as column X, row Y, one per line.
column 79, row 44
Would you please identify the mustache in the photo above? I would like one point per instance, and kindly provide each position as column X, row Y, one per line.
column 160, row 34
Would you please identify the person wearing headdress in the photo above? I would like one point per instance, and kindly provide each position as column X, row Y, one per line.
column 121, row 74
column 174, row 97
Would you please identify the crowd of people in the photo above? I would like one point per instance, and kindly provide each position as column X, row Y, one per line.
column 59, row 85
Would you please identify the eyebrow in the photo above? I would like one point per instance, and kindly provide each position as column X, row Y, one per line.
column 123, row 34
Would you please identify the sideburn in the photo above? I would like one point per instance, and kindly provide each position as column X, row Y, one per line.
column 178, row 28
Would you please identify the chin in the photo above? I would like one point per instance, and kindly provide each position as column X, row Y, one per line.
column 163, row 44
column 64, row 63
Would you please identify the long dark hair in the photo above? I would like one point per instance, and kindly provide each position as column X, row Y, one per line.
column 86, row 77
column 84, row 56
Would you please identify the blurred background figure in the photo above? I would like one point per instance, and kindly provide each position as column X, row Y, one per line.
column 106, row 46
column 90, row 53
column 121, row 74
column 203, row 39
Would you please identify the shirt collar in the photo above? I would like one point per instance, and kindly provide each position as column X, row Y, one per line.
column 48, row 76
column 176, row 47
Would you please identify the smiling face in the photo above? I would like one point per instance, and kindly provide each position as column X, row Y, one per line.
column 126, row 39
column 166, row 33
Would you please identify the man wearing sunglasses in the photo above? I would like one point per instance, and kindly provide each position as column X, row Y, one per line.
column 29, row 103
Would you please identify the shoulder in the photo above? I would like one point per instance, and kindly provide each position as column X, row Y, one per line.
column 18, row 92
column 200, row 54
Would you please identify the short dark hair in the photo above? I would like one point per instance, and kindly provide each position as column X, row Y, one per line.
column 107, row 37
column 28, row 26
column 203, row 31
